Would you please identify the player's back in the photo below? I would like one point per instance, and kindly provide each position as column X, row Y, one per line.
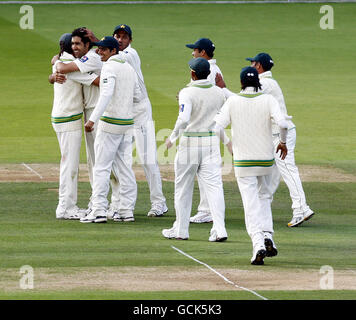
column 206, row 100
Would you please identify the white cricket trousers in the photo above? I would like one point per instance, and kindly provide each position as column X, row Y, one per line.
column 205, row 162
column 256, row 199
column 290, row 174
column 90, row 152
column 145, row 139
column 113, row 151
column 69, row 144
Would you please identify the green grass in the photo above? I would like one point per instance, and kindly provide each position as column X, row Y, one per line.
column 313, row 67
column 32, row 236
column 179, row 295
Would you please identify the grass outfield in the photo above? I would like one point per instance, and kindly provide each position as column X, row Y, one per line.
column 32, row 236
column 313, row 67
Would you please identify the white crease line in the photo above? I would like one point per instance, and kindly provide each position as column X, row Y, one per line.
column 33, row 171
column 219, row 274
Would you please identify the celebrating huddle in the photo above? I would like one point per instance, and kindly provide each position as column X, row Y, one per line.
column 106, row 87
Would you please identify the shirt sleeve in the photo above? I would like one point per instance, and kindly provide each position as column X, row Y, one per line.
column 88, row 63
column 107, row 86
column 276, row 112
column 83, row 78
column 279, row 119
column 266, row 86
column 185, row 110
column 227, row 93
column 223, row 116
column 131, row 56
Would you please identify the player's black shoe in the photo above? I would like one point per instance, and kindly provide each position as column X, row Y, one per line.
column 271, row 250
column 258, row 258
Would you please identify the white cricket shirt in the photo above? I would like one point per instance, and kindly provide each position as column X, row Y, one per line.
column 199, row 102
column 250, row 114
column 90, row 63
column 271, row 86
column 119, row 90
column 68, row 100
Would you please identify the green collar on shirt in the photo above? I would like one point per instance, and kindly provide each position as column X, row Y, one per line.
column 118, row 60
column 203, row 86
column 246, row 95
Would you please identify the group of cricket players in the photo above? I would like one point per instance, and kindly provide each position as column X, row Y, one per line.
column 100, row 83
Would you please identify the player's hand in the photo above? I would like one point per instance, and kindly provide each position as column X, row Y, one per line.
column 89, row 126
column 60, row 77
column 54, row 59
column 284, row 151
column 91, row 36
column 169, row 143
column 219, row 81
column 229, row 147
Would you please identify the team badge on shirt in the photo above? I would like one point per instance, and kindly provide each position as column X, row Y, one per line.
column 181, row 108
column 83, row 59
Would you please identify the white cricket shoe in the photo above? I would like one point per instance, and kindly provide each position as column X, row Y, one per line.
column 171, row 234
column 94, row 216
column 201, row 217
column 296, row 221
column 157, row 210
column 214, row 237
column 75, row 214
column 123, row 217
column 89, row 218
column 60, row 216
column 111, row 211
column 307, row 215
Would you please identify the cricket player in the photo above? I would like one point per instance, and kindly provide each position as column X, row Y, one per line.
column 87, row 61
column 66, row 119
column 250, row 113
column 204, row 48
column 198, row 153
column 286, row 168
column 144, row 130
column 113, row 143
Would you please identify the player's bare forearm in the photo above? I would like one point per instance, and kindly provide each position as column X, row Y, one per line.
column 91, row 36
column 54, row 59
column 96, row 82
column 219, row 81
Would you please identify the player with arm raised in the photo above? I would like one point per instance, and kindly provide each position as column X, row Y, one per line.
column 144, row 130
column 66, row 119
column 87, row 61
column 204, row 48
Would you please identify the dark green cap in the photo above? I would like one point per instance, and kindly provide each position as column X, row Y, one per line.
column 199, row 66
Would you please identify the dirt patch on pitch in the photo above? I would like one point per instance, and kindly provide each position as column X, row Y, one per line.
column 50, row 173
column 132, row 279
